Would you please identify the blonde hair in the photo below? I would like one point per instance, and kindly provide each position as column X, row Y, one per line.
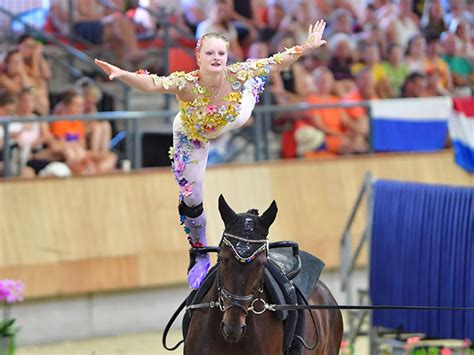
column 211, row 35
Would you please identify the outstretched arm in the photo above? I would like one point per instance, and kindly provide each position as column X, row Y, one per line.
column 289, row 56
column 281, row 61
column 144, row 81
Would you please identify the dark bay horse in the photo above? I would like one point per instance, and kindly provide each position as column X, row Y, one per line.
column 233, row 328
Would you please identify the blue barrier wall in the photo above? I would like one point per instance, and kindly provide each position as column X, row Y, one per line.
column 422, row 253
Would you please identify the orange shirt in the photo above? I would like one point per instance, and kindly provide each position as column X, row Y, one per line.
column 331, row 117
column 356, row 112
column 61, row 129
column 441, row 67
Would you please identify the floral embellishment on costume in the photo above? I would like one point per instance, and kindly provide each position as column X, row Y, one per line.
column 296, row 50
column 236, row 85
column 200, row 117
column 242, row 75
column 211, row 109
column 166, row 82
column 234, row 97
column 176, row 78
column 181, row 84
column 189, row 76
column 257, row 87
column 180, row 156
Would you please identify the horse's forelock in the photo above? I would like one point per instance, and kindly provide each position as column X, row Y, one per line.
column 240, row 226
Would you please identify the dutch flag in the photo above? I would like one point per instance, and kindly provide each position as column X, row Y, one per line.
column 411, row 124
column 461, row 131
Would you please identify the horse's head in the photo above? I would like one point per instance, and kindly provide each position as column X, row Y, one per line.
column 241, row 262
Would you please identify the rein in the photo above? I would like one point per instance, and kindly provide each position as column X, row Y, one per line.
column 265, row 306
column 293, row 307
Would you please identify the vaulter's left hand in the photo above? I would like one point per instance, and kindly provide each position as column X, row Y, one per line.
column 315, row 35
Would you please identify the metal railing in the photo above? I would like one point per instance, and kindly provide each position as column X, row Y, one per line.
column 133, row 139
column 348, row 263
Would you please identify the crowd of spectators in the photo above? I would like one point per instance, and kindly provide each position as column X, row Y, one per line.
column 377, row 49
column 61, row 147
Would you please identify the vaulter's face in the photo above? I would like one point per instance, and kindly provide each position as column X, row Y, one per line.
column 213, row 55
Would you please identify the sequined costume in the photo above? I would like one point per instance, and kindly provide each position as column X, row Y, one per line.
column 199, row 121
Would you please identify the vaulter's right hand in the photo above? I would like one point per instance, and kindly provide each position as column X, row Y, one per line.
column 111, row 70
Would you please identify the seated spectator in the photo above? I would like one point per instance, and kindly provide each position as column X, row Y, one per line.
column 98, row 25
column 334, row 122
column 433, row 84
column 98, row 133
column 437, row 67
column 341, row 61
column 274, row 15
column 298, row 20
column 194, row 12
column 14, row 77
column 8, row 104
column 469, row 13
column 401, row 23
column 461, row 69
column 458, row 11
column 258, row 50
column 72, row 135
column 395, row 69
column 462, row 29
column 37, row 67
column 245, row 18
column 219, row 21
column 373, row 34
column 371, row 61
column 370, row 17
column 326, row 8
column 34, row 136
column 341, row 21
column 384, row 10
column 415, row 85
column 416, row 54
column 364, row 91
column 292, row 79
column 432, row 22
column 146, row 17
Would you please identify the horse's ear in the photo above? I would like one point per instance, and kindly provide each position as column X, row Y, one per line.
column 268, row 217
column 227, row 214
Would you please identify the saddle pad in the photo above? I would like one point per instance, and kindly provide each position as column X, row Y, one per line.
column 311, row 268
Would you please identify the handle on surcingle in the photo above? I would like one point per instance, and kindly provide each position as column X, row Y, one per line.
column 205, row 249
column 296, row 254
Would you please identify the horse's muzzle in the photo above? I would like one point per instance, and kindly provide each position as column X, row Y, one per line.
column 232, row 334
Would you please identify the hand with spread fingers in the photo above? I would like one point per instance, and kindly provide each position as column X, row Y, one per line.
column 315, row 35
column 111, row 70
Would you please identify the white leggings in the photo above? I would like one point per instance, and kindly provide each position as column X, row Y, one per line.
column 189, row 165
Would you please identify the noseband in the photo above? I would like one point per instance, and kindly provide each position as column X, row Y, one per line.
column 239, row 301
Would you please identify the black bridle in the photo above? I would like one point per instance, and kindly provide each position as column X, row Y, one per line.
column 227, row 299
